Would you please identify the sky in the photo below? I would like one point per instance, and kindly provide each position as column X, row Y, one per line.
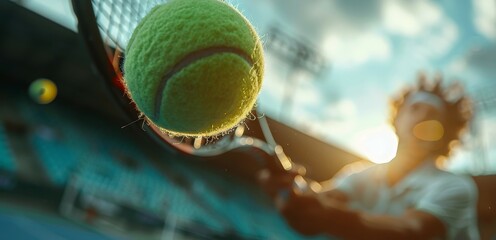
column 372, row 49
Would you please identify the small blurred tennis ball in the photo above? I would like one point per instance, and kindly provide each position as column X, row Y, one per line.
column 43, row 91
column 194, row 67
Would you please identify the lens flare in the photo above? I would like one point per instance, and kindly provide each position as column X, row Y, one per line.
column 379, row 145
column 43, row 91
column 430, row 130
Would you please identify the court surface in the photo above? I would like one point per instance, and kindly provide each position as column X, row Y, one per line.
column 17, row 225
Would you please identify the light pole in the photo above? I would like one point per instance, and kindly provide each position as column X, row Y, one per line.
column 300, row 56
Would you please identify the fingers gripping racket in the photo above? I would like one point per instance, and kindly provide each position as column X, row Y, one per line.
column 106, row 27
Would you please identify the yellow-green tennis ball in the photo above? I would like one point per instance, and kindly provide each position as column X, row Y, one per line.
column 194, row 67
column 43, row 91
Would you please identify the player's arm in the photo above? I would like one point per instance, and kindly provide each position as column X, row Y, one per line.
column 328, row 212
column 414, row 224
column 316, row 215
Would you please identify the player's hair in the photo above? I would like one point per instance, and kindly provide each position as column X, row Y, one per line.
column 458, row 106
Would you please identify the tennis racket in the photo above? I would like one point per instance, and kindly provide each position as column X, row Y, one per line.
column 106, row 27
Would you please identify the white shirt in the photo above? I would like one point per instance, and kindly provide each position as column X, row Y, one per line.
column 449, row 197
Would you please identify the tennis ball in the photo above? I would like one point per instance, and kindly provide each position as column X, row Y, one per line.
column 43, row 91
column 194, row 67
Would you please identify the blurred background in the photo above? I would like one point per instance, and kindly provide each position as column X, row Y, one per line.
column 68, row 170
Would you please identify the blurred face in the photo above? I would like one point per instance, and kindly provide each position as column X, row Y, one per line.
column 419, row 123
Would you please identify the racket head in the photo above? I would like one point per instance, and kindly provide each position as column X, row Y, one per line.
column 106, row 27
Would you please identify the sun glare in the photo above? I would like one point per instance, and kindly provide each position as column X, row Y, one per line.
column 379, row 145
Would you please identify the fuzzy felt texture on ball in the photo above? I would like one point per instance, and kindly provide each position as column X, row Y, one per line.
column 194, row 67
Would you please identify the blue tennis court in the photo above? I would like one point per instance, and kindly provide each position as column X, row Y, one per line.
column 24, row 227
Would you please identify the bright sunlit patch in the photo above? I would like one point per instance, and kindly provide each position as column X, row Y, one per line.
column 430, row 130
column 43, row 91
column 379, row 145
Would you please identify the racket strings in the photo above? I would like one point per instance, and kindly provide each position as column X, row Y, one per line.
column 118, row 18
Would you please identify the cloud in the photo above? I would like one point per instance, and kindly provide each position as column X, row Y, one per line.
column 343, row 31
column 337, row 117
column 342, row 109
column 350, row 33
column 483, row 60
column 442, row 37
column 485, row 17
column 410, row 18
column 318, row 18
column 479, row 62
column 431, row 33
column 353, row 51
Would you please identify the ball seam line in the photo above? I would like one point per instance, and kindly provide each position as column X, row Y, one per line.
column 189, row 59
